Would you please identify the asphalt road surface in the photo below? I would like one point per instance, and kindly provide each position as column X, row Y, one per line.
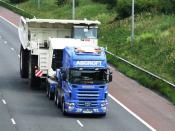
column 23, row 109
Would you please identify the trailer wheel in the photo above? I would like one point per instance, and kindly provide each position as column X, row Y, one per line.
column 55, row 98
column 47, row 91
column 50, row 95
column 33, row 80
column 58, row 104
column 24, row 63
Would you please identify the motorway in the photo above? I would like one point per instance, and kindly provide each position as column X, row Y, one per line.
column 24, row 109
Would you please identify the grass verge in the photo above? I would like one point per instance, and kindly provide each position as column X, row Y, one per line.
column 15, row 9
column 144, row 79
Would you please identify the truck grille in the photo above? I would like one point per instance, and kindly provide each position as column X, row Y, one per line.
column 88, row 97
column 88, row 94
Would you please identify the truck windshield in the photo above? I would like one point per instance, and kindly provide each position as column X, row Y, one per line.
column 84, row 33
column 88, row 76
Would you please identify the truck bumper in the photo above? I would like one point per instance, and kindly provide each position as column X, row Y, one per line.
column 71, row 109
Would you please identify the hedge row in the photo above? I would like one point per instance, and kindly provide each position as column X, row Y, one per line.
column 111, row 3
column 123, row 7
column 16, row 10
column 17, row 1
column 61, row 2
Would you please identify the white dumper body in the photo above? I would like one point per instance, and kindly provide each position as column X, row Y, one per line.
column 42, row 42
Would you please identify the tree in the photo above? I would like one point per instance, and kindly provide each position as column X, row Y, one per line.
column 62, row 2
column 17, row 1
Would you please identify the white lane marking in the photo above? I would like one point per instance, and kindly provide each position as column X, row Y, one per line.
column 13, row 121
column 4, row 101
column 12, row 49
column 0, row 36
column 18, row 55
column 5, row 42
column 78, row 121
column 8, row 22
column 132, row 113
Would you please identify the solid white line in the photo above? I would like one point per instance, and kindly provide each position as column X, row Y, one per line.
column 5, row 42
column 132, row 113
column 12, row 49
column 4, row 101
column 13, row 121
column 78, row 121
column 9, row 22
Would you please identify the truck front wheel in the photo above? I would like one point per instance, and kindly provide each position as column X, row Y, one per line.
column 63, row 107
column 33, row 80
column 24, row 62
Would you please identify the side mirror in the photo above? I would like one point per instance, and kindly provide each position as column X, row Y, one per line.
column 64, row 76
column 110, row 76
column 63, row 73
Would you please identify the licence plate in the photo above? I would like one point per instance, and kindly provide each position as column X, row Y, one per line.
column 87, row 111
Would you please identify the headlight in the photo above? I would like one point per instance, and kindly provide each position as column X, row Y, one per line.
column 103, row 104
column 70, row 104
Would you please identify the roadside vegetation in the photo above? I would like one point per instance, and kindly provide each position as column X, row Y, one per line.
column 154, row 46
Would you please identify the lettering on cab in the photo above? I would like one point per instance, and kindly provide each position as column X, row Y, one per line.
column 88, row 63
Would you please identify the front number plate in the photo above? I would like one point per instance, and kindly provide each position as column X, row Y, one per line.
column 87, row 111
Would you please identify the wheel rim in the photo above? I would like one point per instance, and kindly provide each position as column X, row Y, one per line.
column 57, row 100
column 55, row 97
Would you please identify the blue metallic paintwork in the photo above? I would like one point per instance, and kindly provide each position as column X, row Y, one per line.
column 69, row 58
column 53, row 87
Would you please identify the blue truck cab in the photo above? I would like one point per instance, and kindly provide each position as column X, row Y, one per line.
column 81, row 85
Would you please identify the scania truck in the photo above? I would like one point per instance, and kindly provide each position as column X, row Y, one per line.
column 80, row 86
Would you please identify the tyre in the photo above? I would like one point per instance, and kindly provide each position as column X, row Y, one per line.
column 50, row 95
column 47, row 91
column 33, row 80
column 24, row 63
column 63, row 107
column 58, row 104
column 55, row 98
